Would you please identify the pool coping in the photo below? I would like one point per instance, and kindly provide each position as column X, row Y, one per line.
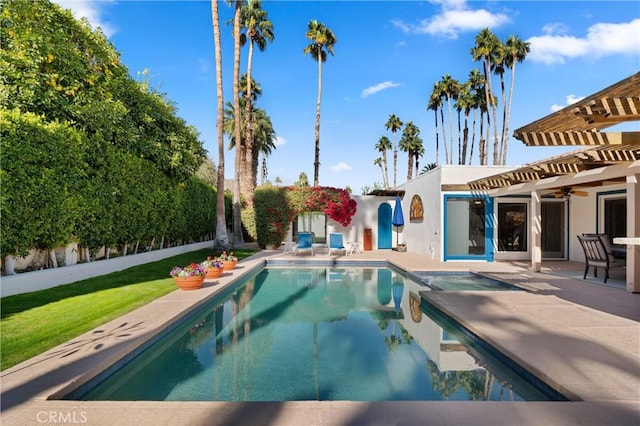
column 28, row 387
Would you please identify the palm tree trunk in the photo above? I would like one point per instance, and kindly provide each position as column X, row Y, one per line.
column 444, row 137
column 435, row 119
column 221, row 241
column 504, row 118
column 450, row 130
column 473, row 135
column 465, row 137
column 395, row 161
column 508, row 117
column 385, row 174
column 316, row 163
column 238, row 239
column 249, row 178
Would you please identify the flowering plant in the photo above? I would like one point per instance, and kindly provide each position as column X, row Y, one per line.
column 192, row 270
column 224, row 257
column 211, row 262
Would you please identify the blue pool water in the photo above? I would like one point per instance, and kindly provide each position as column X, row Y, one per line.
column 289, row 334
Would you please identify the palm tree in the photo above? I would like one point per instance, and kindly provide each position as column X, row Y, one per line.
column 378, row 162
column 516, row 50
column 238, row 239
column 264, row 137
column 409, row 142
column 222, row 240
column 464, row 103
column 418, row 152
column 383, row 145
column 322, row 41
column 476, row 83
column 263, row 133
column 259, row 31
column 435, row 102
column 486, row 47
column 450, row 88
column 394, row 124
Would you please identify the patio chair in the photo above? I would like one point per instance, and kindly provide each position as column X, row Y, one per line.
column 598, row 253
column 336, row 244
column 305, row 243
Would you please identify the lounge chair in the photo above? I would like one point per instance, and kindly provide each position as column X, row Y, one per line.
column 305, row 240
column 598, row 253
column 335, row 243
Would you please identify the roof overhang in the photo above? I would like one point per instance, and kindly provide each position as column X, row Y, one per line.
column 387, row 192
column 580, row 124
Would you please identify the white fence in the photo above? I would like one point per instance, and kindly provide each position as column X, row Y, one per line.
column 27, row 282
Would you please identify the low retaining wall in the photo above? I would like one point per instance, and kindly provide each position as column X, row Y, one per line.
column 27, row 282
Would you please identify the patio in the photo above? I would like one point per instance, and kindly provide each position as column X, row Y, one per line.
column 582, row 336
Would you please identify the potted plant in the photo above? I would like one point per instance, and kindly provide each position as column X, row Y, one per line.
column 213, row 266
column 229, row 261
column 190, row 277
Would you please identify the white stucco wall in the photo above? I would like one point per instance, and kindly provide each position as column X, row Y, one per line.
column 366, row 217
column 425, row 237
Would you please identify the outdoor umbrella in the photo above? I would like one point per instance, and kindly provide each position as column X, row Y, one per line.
column 397, row 290
column 398, row 219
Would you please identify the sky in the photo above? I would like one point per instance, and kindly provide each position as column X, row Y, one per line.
column 386, row 60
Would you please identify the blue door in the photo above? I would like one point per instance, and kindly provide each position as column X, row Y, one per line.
column 384, row 226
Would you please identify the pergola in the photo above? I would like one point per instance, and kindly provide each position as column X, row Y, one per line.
column 605, row 158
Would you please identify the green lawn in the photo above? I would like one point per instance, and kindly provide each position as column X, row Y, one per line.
column 32, row 323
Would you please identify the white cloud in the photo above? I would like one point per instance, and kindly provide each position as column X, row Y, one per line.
column 455, row 17
column 279, row 141
column 372, row 90
column 571, row 99
column 91, row 10
column 602, row 39
column 340, row 167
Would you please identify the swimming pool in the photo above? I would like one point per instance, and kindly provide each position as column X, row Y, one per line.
column 458, row 281
column 290, row 334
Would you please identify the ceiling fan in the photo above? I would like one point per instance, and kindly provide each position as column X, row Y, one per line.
column 568, row 191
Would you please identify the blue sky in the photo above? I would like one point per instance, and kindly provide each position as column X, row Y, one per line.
column 387, row 58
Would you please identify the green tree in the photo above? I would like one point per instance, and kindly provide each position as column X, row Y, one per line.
column 238, row 238
column 258, row 31
column 435, row 103
column 303, row 180
column 322, row 41
column 410, row 142
column 384, row 145
column 488, row 49
column 450, row 88
column 394, row 124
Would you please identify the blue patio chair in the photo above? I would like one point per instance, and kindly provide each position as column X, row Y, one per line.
column 335, row 243
column 305, row 240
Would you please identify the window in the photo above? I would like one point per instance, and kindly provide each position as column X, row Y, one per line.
column 314, row 222
column 512, row 226
column 615, row 217
column 465, row 227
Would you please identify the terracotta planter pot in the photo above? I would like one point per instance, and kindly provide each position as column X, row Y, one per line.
column 189, row 283
column 229, row 265
column 214, row 272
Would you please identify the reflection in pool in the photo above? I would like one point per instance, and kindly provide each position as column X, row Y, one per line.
column 291, row 334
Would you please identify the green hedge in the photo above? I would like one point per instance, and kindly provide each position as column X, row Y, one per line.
column 59, row 187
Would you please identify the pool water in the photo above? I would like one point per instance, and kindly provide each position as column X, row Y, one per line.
column 295, row 334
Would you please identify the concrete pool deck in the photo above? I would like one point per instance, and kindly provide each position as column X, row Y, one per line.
column 582, row 337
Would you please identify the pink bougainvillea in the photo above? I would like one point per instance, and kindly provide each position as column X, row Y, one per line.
column 275, row 208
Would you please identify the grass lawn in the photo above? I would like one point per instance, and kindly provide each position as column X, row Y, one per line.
column 32, row 323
